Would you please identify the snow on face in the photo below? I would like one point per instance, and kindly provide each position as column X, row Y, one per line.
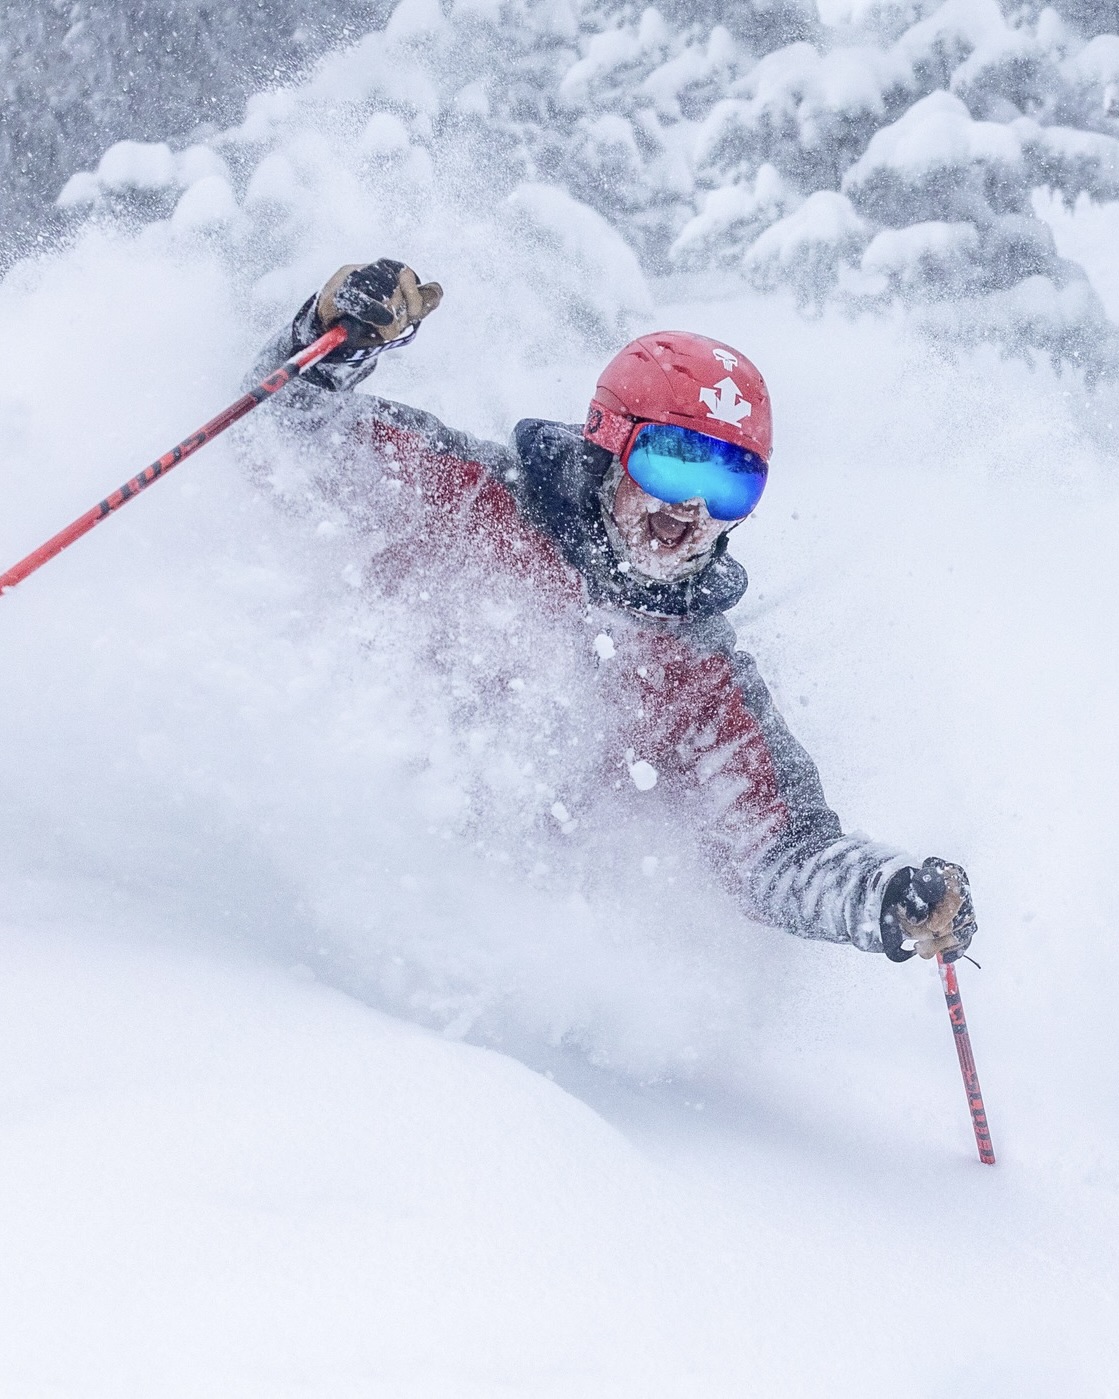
column 663, row 541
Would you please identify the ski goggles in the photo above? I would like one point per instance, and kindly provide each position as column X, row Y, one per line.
column 677, row 464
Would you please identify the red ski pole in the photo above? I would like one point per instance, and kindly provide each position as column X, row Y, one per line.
column 264, row 390
column 967, row 1060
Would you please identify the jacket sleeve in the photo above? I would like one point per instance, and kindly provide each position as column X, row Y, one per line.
column 448, row 469
column 759, row 795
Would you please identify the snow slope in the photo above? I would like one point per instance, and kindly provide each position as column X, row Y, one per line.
column 251, row 1185
column 242, row 823
column 221, row 1177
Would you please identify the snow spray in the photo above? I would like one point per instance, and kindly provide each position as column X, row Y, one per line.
column 275, row 381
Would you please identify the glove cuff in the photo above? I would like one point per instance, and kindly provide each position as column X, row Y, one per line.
column 892, row 896
column 342, row 368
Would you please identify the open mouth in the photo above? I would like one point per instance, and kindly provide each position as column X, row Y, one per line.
column 667, row 529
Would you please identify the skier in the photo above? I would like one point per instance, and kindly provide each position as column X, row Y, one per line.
column 632, row 513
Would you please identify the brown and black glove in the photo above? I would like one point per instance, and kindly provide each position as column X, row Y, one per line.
column 931, row 908
column 380, row 303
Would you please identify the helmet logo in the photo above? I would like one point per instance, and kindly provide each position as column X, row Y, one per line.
column 725, row 358
column 725, row 403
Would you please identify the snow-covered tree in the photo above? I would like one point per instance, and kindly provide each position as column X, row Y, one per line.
column 896, row 155
column 77, row 75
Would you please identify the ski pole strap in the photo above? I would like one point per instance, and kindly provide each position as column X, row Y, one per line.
column 355, row 360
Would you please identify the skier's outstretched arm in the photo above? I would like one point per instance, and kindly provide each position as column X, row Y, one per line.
column 383, row 303
column 780, row 844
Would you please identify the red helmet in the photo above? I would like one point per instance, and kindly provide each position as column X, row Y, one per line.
column 676, row 377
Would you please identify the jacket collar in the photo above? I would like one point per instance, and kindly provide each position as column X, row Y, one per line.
column 563, row 476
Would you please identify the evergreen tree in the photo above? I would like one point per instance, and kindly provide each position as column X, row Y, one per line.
column 896, row 156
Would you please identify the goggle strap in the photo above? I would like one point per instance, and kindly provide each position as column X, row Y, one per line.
column 607, row 429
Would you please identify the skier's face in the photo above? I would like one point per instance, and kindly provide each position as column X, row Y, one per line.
column 663, row 541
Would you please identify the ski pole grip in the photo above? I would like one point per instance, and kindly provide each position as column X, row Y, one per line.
column 339, row 334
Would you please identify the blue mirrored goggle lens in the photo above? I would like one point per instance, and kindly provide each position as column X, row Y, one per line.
column 676, row 464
